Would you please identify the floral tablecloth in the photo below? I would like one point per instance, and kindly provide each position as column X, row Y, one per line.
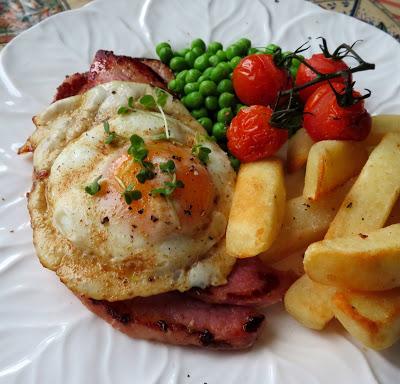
column 18, row 15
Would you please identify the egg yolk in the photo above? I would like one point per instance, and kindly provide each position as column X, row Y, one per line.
column 190, row 206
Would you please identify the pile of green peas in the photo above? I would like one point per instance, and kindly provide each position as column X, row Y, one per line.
column 203, row 79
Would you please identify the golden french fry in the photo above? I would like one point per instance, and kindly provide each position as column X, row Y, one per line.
column 258, row 208
column 394, row 217
column 330, row 164
column 370, row 200
column 310, row 302
column 298, row 147
column 381, row 125
column 304, row 222
column 372, row 318
column 294, row 183
column 366, row 262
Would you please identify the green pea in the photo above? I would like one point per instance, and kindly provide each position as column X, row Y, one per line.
column 165, row 54
column 238, row 107
column 182, row 75
column 190, row 57
column 177, row 64
column 198, row 113
column 206, row 123
column 176, row 85
column 221, row 55
column 244, row 43
column 214, row 47
column 232, row 51
column 202, row 78
column 235, row 61
column 226, row 68
column 191, row 87
column 217, row 74
column 193, row 100
column 207, row 72
column 226, row 99
column 197, row 51
column 225, row 85
column 201, row 63
column 199, row 43
column 219, row 131
column 252, row 51
column 230, row 75
column 183, row 52
column 207, row 88
column 270, row 49
column 214, row 60
column 224, row 115
column 235, row 163
column 211, row 103
column 192, row 75
column 162, row 45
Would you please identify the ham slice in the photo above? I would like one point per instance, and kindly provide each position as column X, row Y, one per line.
column 179, row 319
column 250, row 283
column 221, row 317
column 108, row 67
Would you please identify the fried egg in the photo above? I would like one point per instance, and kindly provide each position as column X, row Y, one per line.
column 104, row 246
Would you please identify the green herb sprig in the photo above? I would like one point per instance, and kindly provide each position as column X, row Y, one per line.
column 149, row 102
column 169, row 186
column 125, row 109
column 202, row 153
column 94, row 186
column 168, row 189
column 130, row 194
column 111, row 135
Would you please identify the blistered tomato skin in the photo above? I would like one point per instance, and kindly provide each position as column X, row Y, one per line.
column 323, row 65
column 251, row 137
column 324, row 119
column 257, row 80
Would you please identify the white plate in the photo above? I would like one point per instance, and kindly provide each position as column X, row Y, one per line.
column 46, row 336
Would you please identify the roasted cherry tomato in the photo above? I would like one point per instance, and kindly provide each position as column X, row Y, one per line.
column 257, row 80
column 321, row 64
column 251, row 137
column 324, row 119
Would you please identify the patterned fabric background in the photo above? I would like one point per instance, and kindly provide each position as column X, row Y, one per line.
column 18, row 15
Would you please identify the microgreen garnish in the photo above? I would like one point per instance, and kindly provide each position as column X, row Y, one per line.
column 202, row 153
column 168, row 167
column 137, row 148
column 168, row 189
column 162, row 97
column 139, row 152
column 111, row 135
column 123, row 110
column 146, row 173
column 94, row 186
column 130, row 194
column 149, row 102
column 169, row 186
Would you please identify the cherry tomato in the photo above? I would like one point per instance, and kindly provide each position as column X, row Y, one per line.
column 324, row 119
column 321, row 64
column 257, row 80
column 251, row 137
